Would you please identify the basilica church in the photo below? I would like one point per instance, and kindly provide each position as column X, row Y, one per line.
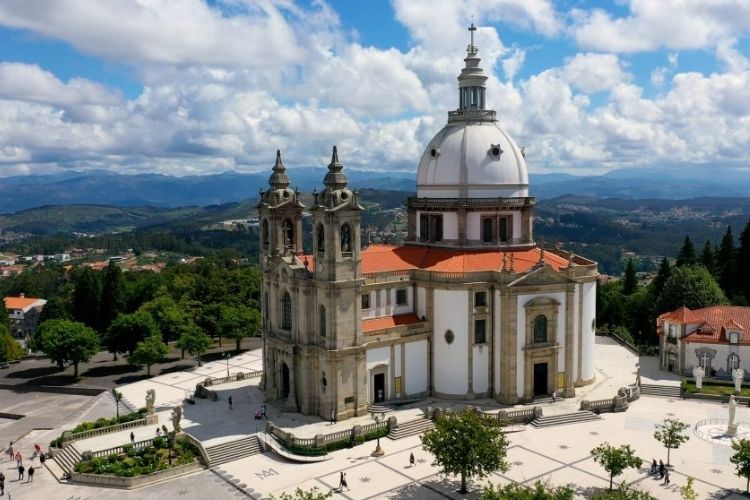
column 470, row 306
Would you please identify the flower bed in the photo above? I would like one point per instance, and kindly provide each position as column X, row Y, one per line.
column 98, row 424
column 138, row 462
column 712, row 387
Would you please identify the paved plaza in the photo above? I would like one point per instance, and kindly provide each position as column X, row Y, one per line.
column 556, row 454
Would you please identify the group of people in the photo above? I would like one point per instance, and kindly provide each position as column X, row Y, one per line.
column 660, row 469
column 18, row 457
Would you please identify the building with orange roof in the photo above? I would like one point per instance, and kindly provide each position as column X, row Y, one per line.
column 716, row 338
column 24, row 314
column 469, row 307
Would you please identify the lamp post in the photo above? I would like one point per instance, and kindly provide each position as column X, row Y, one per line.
column 378, row 450
column 226, row 356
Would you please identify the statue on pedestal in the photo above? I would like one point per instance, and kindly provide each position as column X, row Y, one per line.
column 150, row 400
column 176, row 417
column 698, row 375
column 732, row 426
column 738, row 375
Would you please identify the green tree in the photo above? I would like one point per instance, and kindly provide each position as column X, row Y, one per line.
column 67, row 341
column 630, row 282
column 468, row 445
column 623, row 493
column 726, row 264
column 686, row 257
column 208, row 318
column 539, row 491
column 300, row 494
column 708, row 259
column 671, row 434
column 238, row 322
column 117, row 396
column 690, row 286
column 4, row 316
column 688, row 491
column 127, row 330
column 10, row 350
column 657, row 285
column 147, row 352
column 743, row 262
column 741, row 459
column 113, row 296
column 615, row 459
column 169, row 316
column 194, row 341
column 57, row 308
column 86, row 297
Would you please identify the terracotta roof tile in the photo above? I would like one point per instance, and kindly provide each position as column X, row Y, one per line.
column 20, row 302
column 371, row 325
column 714, row 322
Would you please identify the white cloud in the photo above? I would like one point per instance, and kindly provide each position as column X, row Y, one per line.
column 513, row 63
column 656, row 24
column 591, row 73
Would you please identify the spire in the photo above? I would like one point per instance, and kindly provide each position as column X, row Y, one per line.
column 335, row 178
column 472, row 49
column 471, row 81
column 279, row 179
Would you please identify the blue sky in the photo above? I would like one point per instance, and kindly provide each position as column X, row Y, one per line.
column 199, row 86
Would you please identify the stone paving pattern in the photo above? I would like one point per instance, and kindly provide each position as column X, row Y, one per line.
column 557, row 454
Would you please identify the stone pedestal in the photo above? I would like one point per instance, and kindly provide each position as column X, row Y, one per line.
column 732, row 429
column 152, row 419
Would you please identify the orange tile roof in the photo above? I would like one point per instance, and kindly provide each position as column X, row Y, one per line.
column 714, row 322
column 19, row 302
column 371, row 325
column 387, row 258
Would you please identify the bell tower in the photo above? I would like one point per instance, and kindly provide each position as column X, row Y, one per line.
column 280, row 213
column 337, row 217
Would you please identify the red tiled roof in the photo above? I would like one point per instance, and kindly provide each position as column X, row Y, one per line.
column 386, row 258
column 371, row 325
column 19, row 302
column 714, row 322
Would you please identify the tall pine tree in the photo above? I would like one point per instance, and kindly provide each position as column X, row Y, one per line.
column 686, row 257
column 708, row 259
column 113, row 296
column 726, row 264
column 743, row 263
column 630, row 282
column 86, row 296
column 657, row 285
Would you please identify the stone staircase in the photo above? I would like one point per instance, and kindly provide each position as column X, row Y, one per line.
column 233, row 450
column 411, row 428
column 67, row 458
column 381, row 408
column 565, row 419
column 668, row 391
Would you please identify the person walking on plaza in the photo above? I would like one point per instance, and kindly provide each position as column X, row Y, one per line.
column 31, row 474
column 21, row 470
column 666, row 477
column 230, row 402
column 654, row 467
column 41, row 459
column 342, row 481
column 19, row 458
column 132, row 438
column 411, row 459
column 661, row 469
column 263, row 411
column 2, row 484
column 333, row 417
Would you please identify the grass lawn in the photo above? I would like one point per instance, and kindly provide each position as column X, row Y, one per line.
column 716, row 388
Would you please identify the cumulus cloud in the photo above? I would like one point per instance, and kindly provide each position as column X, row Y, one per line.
column 591, row 73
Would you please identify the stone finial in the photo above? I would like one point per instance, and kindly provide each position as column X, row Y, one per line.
column 279, row 179
column 335, row 179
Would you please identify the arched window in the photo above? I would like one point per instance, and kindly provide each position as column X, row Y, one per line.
column 705, row 362
column 321, row 238
column 286, row 311
column 733, row 362
column 264, row 233
column 287, row 228
column 540, row 329
column 322, row 320
column 346, row 238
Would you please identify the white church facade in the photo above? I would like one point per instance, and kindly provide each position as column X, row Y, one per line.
column 469, row 307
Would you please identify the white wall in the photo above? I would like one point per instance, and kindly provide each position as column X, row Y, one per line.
column 496, row 345
column 481, row 368
column 587, row 330
column 421, row 302
column 397, row 360
column 451, row 370
column 719, row 361
column 416, row 367
column 378, row 356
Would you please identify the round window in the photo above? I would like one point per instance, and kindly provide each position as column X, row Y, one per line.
column 344, row 195
column 449, row 337
column 496, row 151
column 433, row 152
column 286, row 194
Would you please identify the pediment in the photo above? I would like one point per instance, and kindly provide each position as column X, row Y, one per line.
column 541, row 275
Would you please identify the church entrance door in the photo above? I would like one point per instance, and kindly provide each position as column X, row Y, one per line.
column 540, row 379
column 379, row 387
column 284, row 381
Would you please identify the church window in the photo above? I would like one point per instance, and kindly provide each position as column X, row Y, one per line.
column 734, row 337
column 704, row 360
column 287, row 228
column 672, row 337
column 480, row 299
column 503, row 230
column 264, row 233
column 488, row 235
column 321, row 238
column 365, row 301
column 480, row 331
column 733, row 362
column 346, row 238
column 401, row 299
column 540, row 329
column 430, row 228
column 322, row 320
column 286, row 312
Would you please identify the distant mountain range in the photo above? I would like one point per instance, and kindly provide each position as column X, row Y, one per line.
column 109, row 188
